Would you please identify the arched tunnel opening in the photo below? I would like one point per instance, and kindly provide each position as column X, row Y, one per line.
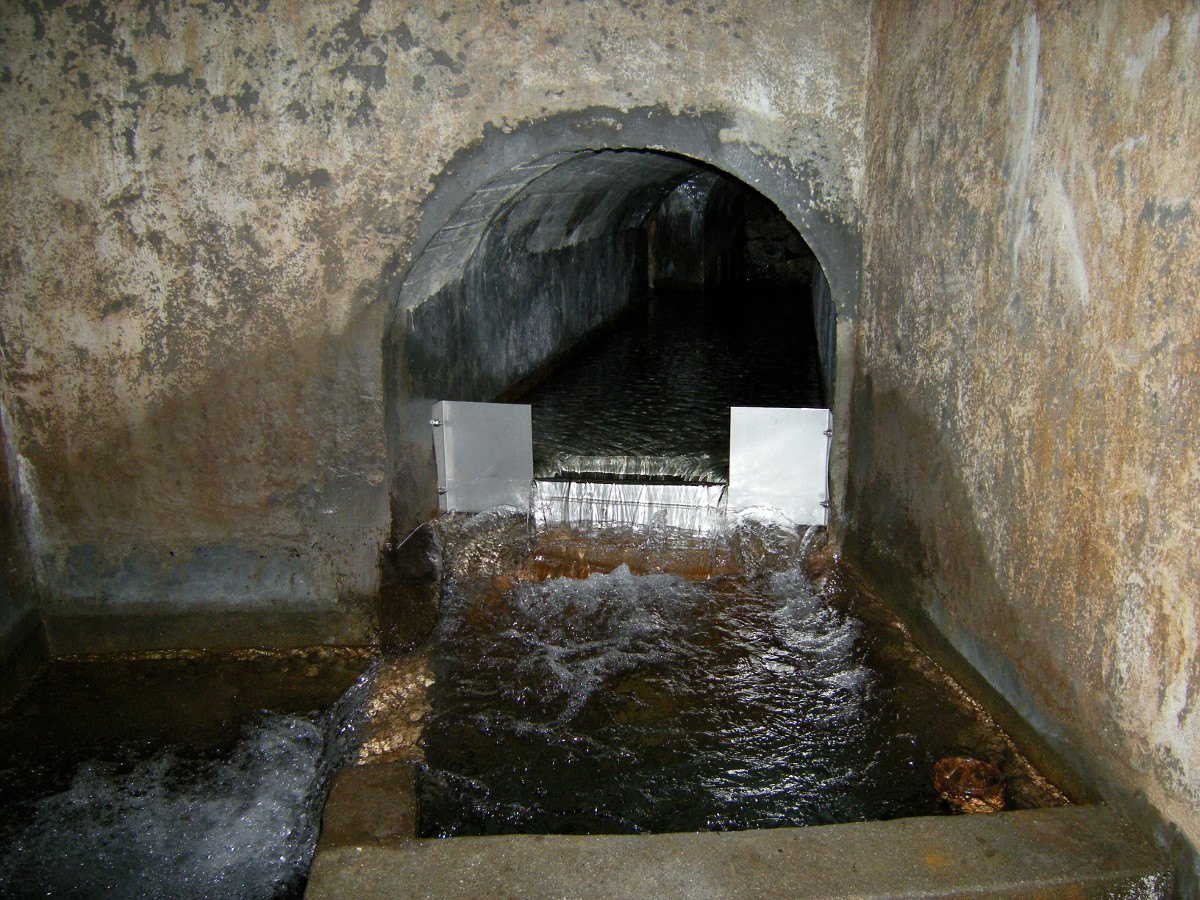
column 631, row 298
column 723, row 320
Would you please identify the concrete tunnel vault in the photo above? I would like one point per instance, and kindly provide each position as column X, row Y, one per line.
column 540, row 242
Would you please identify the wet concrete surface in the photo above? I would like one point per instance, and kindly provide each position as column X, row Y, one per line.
column 1076, row 852
column 370, row 803
column 410, row 577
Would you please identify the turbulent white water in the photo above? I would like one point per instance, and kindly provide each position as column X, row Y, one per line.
column 170, row 825
column 625, row 703
column 649, row 703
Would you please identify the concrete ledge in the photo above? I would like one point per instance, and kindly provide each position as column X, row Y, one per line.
column 284, row 628
column 371, row 803
column 1071, row 852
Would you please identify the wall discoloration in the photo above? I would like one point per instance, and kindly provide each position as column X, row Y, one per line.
column 201, row 203
column 1023, row 455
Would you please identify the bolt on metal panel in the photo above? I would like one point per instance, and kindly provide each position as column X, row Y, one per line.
column 779, row 458
column 484, row 454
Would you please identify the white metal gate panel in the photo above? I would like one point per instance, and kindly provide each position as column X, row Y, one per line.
column 780, row 458
column 484, row 455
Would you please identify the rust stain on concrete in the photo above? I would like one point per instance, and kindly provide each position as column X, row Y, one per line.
column 1024, row 424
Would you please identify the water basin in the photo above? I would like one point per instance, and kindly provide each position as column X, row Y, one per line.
column 173, row 774
column 759, row 694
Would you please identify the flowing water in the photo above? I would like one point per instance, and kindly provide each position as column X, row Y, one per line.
column 124, row 809
column 651, row 398
column 623, row 703
column 634, row 431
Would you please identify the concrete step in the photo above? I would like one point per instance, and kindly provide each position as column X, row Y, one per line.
column 1072, row 852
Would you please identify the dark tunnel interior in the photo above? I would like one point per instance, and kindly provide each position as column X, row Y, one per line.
column 631, row 298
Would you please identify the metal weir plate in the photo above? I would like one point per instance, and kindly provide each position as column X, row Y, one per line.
column 484, row 454
column 779, row 458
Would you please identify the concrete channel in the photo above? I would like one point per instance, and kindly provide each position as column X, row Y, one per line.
column 246, row 245
column 368, row 851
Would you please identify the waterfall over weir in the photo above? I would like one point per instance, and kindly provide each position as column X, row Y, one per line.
column 688, row 411
column 778, row 458
column 692, row 508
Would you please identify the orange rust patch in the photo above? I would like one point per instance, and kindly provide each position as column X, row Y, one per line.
column 936, row 860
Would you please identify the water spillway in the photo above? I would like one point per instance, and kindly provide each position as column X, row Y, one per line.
column 707, row 298
column 646, row 426
column 636, row 430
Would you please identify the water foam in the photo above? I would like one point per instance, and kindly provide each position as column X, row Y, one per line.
column 645, row 703
column 172, row 824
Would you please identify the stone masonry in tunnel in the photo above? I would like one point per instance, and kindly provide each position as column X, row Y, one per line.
column 216, row 216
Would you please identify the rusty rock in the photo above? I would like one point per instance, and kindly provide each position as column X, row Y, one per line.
column 969, row 785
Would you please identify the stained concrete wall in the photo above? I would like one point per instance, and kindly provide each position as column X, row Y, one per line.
column 712, row 231
column 209, row 211
column 1023, row 457
column 501, row 323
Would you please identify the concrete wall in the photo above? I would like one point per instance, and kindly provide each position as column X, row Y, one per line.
column 712, row 231
column 685, row 249
column 1023, row 458
column 22, row 638
column 209, row 211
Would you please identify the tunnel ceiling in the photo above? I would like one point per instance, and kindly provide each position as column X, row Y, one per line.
column 556, row 202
